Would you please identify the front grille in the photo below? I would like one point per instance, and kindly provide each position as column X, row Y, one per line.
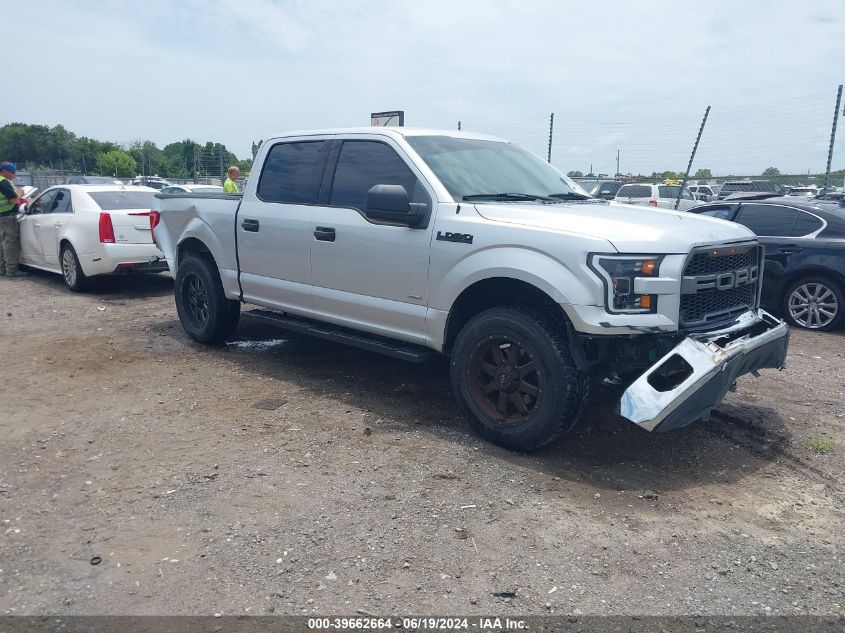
column 706, row 264
column 713, row 307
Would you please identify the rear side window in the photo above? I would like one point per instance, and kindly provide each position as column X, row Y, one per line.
column 806, row 224
column 768, row 219
column 723, row 213
column 671, row 191
column 62, row 202
column 634, row 191
column 292, row 172
column 364, row 164
column 116, row 200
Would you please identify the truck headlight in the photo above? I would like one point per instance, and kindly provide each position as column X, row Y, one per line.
column 618, row 273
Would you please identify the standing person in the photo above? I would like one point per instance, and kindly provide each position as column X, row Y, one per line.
column 10, row 245
column 231, row 184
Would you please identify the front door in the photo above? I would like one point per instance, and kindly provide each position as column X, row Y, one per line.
column 53, row 223
column 30, row 228
column 274, row 226
column 368, row 275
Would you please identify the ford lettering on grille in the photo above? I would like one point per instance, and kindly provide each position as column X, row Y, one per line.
column 719, row 284
column 721, row 281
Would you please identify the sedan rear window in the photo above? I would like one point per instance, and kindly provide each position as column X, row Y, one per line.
column 115, row 200
column 634, row 191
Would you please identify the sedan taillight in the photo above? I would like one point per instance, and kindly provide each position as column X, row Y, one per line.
column 106, row 229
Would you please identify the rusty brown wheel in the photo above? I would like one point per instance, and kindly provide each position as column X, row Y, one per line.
column 514, row 376
column 506, row 381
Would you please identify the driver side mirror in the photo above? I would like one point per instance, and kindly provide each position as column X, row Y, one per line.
column 391, row 203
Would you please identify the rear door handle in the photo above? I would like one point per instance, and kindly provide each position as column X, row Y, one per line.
column 790, row 250
column 250, row 225
column 324, row 233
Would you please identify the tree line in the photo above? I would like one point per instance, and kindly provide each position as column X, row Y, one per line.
column 58, row 148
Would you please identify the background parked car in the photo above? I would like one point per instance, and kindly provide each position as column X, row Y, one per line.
column 704, row 193
column 804, row 275
column 93, row 180
column 750, row 187
column 191, row 188
column 151, row 181
column 604, row 189
column 663, row 196
column 803, row 192
column 81, row 231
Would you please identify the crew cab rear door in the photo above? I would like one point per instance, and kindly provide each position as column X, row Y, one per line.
column 367, row 274
column 273, row 226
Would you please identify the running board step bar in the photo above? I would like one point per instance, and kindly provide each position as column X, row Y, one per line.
column 389, row 347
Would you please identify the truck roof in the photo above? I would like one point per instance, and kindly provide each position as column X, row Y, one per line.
column 393, row 132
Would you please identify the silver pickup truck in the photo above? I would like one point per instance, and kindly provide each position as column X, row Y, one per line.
column 420, row 242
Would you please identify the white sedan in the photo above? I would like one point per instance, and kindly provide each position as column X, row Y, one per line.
column 81, row 231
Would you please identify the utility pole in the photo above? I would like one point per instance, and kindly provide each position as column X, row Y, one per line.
column 832, row 138
column 551, row 133
column 459, row 126
column 617, row 163
column 692, row 156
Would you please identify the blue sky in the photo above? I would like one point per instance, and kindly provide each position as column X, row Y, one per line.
column 633, row 76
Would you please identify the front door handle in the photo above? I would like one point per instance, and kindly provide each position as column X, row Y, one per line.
column 57, row 225
column 790, row 250
column 324, row 233
column 250, row 225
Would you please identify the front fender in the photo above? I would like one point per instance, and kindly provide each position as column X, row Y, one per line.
column 563, row 284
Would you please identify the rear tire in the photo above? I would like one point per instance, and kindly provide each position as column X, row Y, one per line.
column 815, row 303
column 205, row 313
column 514, row 378
column 75, row 279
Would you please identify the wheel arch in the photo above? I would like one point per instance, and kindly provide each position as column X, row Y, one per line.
column 494, row 292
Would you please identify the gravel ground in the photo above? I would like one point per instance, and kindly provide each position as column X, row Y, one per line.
column 141, row 473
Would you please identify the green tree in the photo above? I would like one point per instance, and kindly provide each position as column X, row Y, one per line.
column 703, row 173
column 575, row 174
column 117, row 163
column 771, row 171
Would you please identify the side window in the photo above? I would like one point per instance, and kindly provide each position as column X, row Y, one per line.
column 634, row 191
column 62, row 202
column 806, row 224
column 768, row 219
column 364, row 164
column 43, row 203
column 723, row 213
column 292, row 172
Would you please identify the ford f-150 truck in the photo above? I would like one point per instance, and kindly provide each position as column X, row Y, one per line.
column 418, row 242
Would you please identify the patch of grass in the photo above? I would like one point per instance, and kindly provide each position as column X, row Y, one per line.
column 819, row 446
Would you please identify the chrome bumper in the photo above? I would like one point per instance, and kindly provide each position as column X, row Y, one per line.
column 692, row 379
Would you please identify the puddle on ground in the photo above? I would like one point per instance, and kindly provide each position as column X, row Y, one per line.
column 258, row 346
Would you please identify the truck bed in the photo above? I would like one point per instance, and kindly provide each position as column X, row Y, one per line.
column 208, row 217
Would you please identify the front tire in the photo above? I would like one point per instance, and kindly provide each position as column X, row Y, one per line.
column 204, row 312
column 514, row 378
column 815, row 303
column 75, row 279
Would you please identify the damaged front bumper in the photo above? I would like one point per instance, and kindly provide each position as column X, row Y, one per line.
column 693, row 378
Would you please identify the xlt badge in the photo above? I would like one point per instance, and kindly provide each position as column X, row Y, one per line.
column 462, row 238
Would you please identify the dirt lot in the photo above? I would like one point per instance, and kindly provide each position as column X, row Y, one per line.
column 297, row 476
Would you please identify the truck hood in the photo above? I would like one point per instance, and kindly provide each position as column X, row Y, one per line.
column 629, row 228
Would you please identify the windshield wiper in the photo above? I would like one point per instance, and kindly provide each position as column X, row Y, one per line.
column 570, row 195
column 513, row 197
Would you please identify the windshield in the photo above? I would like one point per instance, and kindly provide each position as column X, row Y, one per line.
column 114, row 200
column 469, row 167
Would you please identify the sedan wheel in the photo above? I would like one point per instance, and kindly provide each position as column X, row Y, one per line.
column 813, row 305
column 69, row 267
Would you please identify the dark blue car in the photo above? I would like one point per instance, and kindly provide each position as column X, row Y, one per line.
column 804, row 274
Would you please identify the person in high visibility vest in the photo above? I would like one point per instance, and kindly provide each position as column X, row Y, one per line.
column 10, row 242
column 231, row 184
